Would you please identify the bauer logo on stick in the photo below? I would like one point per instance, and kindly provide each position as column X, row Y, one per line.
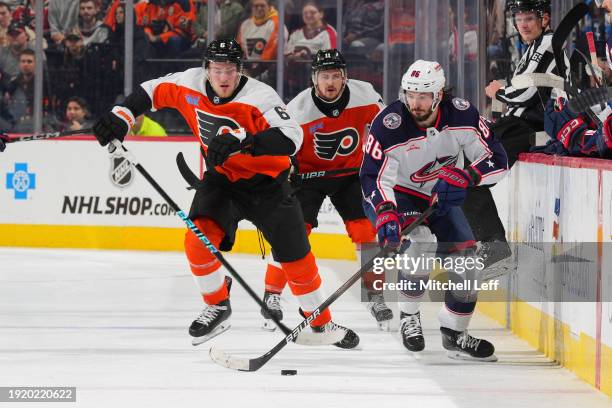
column 121, row 173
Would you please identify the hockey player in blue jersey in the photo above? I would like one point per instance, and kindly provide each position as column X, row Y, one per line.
column 415, row 151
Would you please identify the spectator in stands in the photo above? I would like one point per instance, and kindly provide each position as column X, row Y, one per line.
column 20, row 92
column 5, row 22
column 77, row 115
column 90, row 28
column 258, row 35
column 315, row 35
column 19, row 40
column 145, row 126
column 63, row 19
column 26, row 14
column 363, row 27
column 167, row 24
column 401, row 40
column 91, row 72
column 228, row 16
column 115, row 21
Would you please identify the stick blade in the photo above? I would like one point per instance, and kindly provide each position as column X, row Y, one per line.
column 226, row 360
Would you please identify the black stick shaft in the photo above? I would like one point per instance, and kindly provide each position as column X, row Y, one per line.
column 200, row 235
column 256, row 363
column 49, row 135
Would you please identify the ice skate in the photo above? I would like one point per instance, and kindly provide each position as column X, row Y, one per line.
column 272, row 301
column 212, row 321
column 350, row 340
column 411, row 331
column 380, row 311
column 463, row 346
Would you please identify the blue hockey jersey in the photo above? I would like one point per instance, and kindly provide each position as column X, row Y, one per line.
column 400, row 156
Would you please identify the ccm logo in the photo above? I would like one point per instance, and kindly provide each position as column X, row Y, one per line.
column 568, row 129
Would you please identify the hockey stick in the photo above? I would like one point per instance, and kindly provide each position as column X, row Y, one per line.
column 563, row 31
column 538, row 79
column 49, row 135
column 253, row 364
column 310, row 339
column 590, row 97
column 597, row 71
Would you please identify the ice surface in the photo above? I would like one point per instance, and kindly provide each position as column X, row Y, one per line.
column 114, row 325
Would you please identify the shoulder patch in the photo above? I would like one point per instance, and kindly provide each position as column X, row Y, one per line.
column 392, row 120
column 461, row 103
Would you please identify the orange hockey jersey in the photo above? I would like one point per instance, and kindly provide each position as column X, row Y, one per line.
column 172, row 19
column 335, row 142
column 255, row 107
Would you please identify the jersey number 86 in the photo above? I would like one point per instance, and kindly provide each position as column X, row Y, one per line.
column 372, row 147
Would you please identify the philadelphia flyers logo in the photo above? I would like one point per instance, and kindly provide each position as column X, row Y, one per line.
column 255, row 46
column 211, row 125
column 342, row 143
column 430, row 171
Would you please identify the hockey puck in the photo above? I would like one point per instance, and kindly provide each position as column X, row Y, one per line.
column 288, row 372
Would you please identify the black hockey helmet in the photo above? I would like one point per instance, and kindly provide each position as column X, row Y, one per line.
column 328, row 59
column 224, row 51
column 541, row 7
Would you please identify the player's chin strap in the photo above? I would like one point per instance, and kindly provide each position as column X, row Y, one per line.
column 306, row 338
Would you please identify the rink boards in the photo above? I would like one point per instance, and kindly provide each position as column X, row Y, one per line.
column 72, row 194
column 556, row 201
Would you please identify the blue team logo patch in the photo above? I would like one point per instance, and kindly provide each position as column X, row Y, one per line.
column 461, row 103
column 392, row 121
column 315, row 127
column 192, row 99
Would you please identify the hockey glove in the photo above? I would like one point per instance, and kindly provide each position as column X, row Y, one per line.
column 388, row 226
column 450, row 189
column 222, row 146
column 115, row 124
column 3, row 141
column 604, row 138
column 562, row 124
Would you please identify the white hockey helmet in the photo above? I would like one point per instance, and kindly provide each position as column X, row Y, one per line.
column 424, row 76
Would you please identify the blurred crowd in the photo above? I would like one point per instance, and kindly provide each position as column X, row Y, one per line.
column 84, row 47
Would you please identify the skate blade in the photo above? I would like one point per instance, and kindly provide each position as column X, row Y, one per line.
column 268, row 325
column 459, row 355
column 196, row 341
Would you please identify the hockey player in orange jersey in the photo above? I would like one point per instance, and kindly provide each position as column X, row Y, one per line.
column 335, row 114
column 246, row 138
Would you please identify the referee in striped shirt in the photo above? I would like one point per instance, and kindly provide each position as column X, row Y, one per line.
column 525, row 114
column 524, row 117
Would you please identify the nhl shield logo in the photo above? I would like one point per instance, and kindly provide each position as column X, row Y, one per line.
column 121, row 174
